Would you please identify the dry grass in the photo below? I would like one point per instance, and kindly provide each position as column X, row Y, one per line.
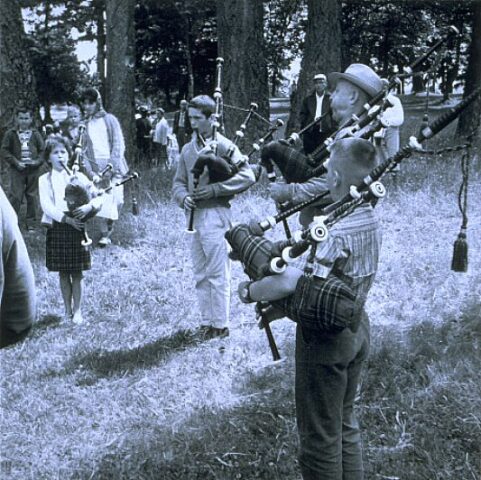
column 134, row 394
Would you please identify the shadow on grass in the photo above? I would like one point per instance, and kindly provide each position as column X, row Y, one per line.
column 254, row 440
column 102, row 364
column 46, row 321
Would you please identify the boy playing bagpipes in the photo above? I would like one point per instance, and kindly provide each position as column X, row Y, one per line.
column 211, row 201
column 324, row 294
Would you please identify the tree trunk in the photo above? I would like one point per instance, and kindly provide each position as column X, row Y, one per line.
column 245, row 78
column 120, row 68
column 17, row 83
column 188, row 58
column 322, row 51
column 470, row 118
column 101, row 45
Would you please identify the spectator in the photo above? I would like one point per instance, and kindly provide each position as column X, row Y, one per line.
column 314, row 106
column 22, row 148
column 143, row 136
column 161, row 138
column 182, row 128
column 17, row 283
column 105, row 144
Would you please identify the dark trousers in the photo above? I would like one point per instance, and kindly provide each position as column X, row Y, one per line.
column 328, row 371
column 22, row 184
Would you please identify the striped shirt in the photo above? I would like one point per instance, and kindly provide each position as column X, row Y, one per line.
column 352, row 247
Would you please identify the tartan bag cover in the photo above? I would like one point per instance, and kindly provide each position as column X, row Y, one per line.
column 252, row 251
column 292, row 163
column 325, row 305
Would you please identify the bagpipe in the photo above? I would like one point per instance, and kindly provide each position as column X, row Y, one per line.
column 79, row 193
column 298, row 168
column 223, row 167
column 327, row 305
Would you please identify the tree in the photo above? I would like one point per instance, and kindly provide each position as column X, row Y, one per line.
column 120, row 85
column 322, row 50
column 241, row 44
column 17, row 81
column 471, row 116
column 284, row 34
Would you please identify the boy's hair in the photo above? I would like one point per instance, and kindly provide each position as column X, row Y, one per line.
column 90, row 94
column 23, row 109
column 354, row 159
column 51, row 143
column 204, row 103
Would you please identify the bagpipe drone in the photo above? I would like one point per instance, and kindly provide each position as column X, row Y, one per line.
column 78, row 193
column 328, row 305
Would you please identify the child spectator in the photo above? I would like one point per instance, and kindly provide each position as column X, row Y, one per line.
column 64, row 250
column 22, row 148
column 104, row 144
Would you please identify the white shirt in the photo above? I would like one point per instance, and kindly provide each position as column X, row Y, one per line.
column 161, row 131
column 319, row 99
column 97, row 131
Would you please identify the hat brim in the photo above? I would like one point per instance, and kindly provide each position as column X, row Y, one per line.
column 334, row 77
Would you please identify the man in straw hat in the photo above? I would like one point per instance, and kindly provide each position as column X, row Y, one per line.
column 351, row 90
column 314, row 106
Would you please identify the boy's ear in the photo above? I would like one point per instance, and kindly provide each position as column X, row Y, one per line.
column 337, row 178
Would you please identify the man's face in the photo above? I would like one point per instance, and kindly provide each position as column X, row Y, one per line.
column 89, row 107
column 340, row 102
column 320, row 85
column 200, row 122
column 183, row 106
column 24, row 120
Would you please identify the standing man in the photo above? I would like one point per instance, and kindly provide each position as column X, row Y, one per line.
column 314, row 106
column 105, row 144
column 22, row 148
column 160, row 139
column 143, row 127
column 212, row 218
column 182, row 128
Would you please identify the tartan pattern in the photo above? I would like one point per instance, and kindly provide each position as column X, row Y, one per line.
column 292, row 163
column 324, row 305
column 64, row 251
column 253, row 252
column 327, row 305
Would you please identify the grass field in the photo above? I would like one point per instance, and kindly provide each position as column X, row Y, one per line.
column 134, row 394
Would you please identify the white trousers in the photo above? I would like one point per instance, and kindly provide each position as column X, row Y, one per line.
column 211, row 265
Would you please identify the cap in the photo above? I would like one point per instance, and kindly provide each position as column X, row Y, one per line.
column 320, row 76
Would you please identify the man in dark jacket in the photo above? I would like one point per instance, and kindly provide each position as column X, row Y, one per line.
column 22, row 148
column 182, row 129
column 314, row 106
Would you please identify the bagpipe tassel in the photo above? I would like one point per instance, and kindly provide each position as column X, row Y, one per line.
column 460, row 253
column 135, row 206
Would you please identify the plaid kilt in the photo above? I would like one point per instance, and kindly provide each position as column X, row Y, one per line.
column 324, row 305
column 292, row 163
column 64, row 250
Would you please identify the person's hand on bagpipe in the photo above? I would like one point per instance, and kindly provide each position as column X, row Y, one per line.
column 280, row 192
column 189, row 203
column 206, row 192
